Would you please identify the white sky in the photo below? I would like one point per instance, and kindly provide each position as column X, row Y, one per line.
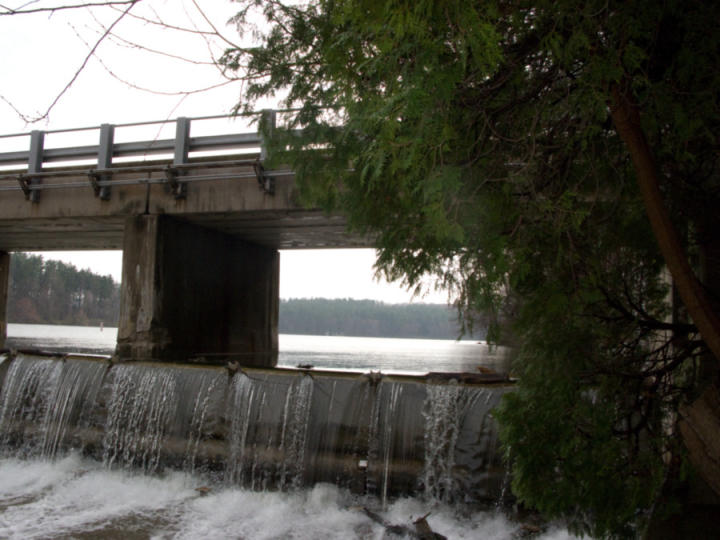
column 41, row 53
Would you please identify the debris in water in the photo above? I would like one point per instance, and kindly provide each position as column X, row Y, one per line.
column 233, row 367
column 422, row 530
column 203, row 490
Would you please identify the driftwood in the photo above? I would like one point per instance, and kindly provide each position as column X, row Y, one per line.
column 422, row 530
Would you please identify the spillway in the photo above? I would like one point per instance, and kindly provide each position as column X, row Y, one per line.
column 262, row 429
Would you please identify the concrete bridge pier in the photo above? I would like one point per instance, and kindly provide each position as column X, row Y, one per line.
column 191, row 292
column 4, row 281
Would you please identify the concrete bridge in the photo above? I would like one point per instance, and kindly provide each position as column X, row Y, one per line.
column 199, row 219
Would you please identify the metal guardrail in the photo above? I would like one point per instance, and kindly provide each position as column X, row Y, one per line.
column 100, row 179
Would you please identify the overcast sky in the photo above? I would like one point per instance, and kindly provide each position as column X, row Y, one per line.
column 41, row 55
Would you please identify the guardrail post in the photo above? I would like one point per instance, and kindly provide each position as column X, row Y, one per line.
column 268, row 121
column 268, row 118
column 180, row 157
column 105, row 155
column 35, row 160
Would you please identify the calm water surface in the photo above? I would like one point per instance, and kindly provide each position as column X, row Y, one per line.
column 336, row 352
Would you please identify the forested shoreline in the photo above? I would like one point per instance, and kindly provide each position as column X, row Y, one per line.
column 367, row 318
column 52, row 292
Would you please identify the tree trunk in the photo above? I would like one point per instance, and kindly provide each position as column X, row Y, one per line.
column 700, row 421
column 626, row 117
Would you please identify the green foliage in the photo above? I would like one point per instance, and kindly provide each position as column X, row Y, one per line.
column 473, row 141
column 53, row 292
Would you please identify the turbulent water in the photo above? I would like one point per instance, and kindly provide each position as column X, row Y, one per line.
column 76, row 498
column 85, row 449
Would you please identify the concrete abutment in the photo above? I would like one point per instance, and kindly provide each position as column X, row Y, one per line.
column 189, row 292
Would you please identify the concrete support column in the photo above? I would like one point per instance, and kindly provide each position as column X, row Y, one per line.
column 4, row 281
column 190, row 292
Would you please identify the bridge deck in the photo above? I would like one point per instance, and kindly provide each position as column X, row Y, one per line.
column 84, row 206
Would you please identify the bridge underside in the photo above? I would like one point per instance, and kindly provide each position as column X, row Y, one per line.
column 69, row 216
column 200, row 271
column 288, row 229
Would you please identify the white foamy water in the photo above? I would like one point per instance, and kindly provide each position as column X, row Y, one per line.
column 73, row 497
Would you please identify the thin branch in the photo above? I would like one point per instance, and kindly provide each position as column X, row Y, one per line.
column 86, row 60
column 10, row 11
column 23, row 117
column 166, row 25
column 134, row 86
column 122, row 42
column 210, row 23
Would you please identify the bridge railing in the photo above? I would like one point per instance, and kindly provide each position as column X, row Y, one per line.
column 26, row 168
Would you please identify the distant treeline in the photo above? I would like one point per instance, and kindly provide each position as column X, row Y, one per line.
column 52, row 292
column 367, row 318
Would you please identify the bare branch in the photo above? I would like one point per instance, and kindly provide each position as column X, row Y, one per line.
column 210, row 23
column 150, row 90
column 86, row 60
column 122, row 42
column 166, row 25
column 21, row 11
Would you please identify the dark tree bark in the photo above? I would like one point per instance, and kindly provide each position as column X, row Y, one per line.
column 700, row 421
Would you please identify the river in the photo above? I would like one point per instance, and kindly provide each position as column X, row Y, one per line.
column 75, row 497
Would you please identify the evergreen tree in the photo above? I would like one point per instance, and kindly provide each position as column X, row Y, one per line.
column 538, row 158
column 53, row 292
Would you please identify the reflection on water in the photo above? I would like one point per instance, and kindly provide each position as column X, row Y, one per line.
column 337, row 352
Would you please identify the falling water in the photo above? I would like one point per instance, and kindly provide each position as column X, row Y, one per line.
column 268, row 441
column 43, row 402
column 266, row 430
column 24, row 403
column 383, row 438
column 209, row 390
column 144, row 401
column 444, row 411
column 295, row 422
column 73, row 401
column 242, row 414
column 386, row 434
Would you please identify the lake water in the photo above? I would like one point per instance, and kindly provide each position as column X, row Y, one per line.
column 74, row 497
column 335, row 352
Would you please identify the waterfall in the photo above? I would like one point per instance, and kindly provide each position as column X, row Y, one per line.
column 260, row 429
column 202, row 415
column 242, row 414
column 43, row 401
column 142, row 405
